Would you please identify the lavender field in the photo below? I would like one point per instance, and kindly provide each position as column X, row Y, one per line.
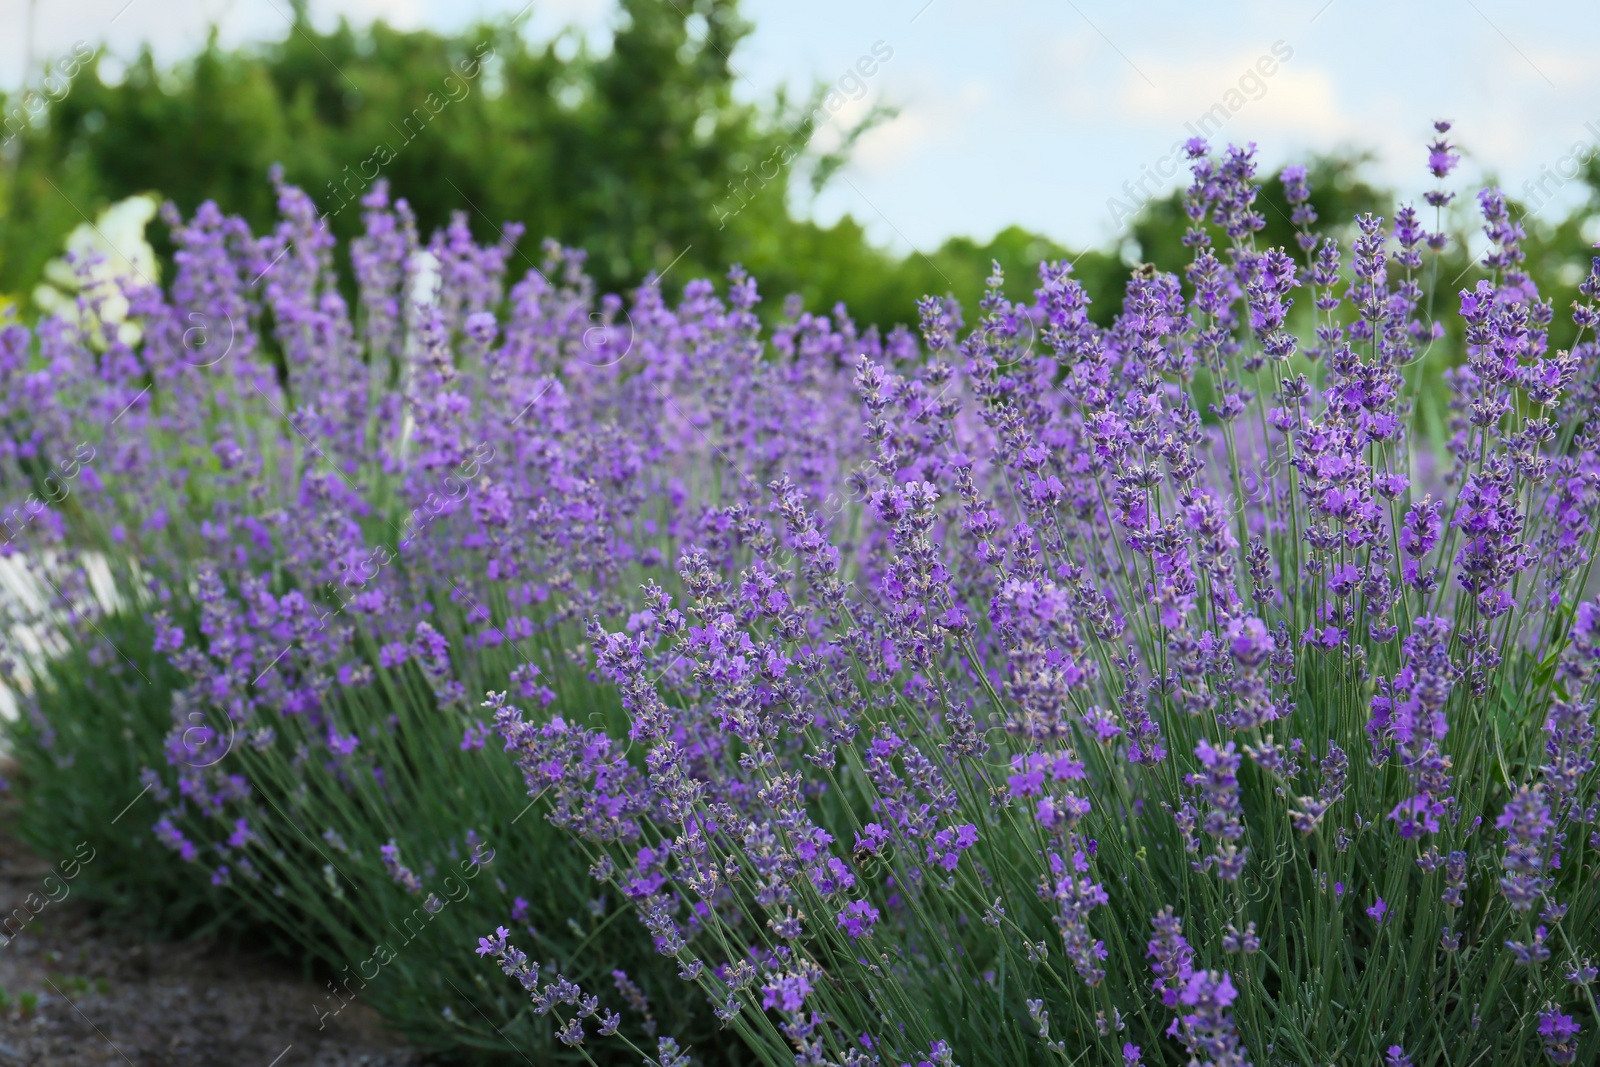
column 548, row 671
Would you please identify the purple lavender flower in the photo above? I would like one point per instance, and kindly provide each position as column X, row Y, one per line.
column 1172, row 958
column 1527, row 822
column 1560, row 1033
column 1250, row 641
column 1441, row 158
column 935, row 594
column 1218, row 785
column 1409, row 710
column 1077, row 894
column 786, row 993
column 948, row 844
column 402, row 875
column 858, row 918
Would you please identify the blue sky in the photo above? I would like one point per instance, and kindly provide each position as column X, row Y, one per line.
column 1038, row 113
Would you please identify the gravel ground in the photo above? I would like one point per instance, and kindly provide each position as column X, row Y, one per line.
column 75, row 995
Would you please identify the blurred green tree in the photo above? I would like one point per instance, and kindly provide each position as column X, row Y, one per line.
column 638, row 152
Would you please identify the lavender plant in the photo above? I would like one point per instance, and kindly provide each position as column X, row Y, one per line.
column 1039, row 690
column 1173, row 704
column 334, row 526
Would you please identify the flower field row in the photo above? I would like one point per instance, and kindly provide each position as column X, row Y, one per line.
column 1015, row 691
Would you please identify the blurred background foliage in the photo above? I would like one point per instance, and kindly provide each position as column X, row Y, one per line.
column 640, row 153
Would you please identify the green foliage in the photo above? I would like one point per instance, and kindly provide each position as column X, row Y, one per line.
column 92, row 722
column 639, row 155
column 99, row 715
column 461, row 820
column 615, row 153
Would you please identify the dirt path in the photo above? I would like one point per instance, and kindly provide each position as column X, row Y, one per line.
column 72, row 995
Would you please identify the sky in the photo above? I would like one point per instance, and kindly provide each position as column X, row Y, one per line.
column 1049, row 113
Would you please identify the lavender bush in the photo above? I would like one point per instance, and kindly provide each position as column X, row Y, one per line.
column 1174, row 705
column 323, row 529
column 1131, row 695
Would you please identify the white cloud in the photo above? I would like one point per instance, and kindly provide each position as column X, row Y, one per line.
column 1020, row 112
column 936, row 115
column 890, row 145
column 1301, row 100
